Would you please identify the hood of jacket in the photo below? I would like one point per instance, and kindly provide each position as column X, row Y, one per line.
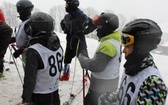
column 51, row 42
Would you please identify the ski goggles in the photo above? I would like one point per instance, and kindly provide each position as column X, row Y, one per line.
column 98, row 21
column 127, row 39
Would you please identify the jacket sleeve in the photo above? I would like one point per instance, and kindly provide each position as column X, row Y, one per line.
column 89, row 26
column 153, row 88
column 5, row 35
column 33, row 62
column 96, row 64
column 65, row 24
column 83, row 25
column 99, row 62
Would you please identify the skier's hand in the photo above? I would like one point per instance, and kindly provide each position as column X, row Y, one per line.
column 108, row 99
column 18, row 52
column 64, row 27
column 12, row 40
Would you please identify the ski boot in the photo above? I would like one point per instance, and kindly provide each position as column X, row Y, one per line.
column 1, row 75
column 1, row 69
column 66, row 73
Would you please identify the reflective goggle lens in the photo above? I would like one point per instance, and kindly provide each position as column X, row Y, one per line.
column 95, row 19
column 98, row 21
column 127, row 39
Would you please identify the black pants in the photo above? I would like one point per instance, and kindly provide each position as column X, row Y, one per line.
column 92, row 98
column 1, row 65
column 46, row 99
column 74, row 46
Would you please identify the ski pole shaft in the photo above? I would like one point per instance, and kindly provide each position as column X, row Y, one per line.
column 83, row 87
column 87, row 74
column 15, row 65
column 13, row 46
column 75, row 65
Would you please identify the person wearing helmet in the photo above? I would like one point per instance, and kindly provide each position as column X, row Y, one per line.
column 76, row 25
column 44, row 58
column 141, row 83
column 104, row 66
column 24, row 8
column 5, row 35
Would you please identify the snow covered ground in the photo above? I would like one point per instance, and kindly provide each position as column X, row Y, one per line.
column 11, row 85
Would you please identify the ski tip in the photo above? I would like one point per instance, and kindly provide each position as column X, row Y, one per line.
column 11, row 62
column 72, row 95
column 66, row 103
column 7, row 69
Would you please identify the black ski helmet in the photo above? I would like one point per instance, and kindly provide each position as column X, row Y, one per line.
column 72, row 5
column 24, row 6
column 147, row 34
column 109, row 23
column 40, row 23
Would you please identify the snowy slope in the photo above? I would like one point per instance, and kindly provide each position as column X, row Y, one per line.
column 11, row 86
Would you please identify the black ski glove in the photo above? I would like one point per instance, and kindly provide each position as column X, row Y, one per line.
column 89, row 26
column 108, row 99
column 18, row 52
column 84, row 59
column 12, row 40
column 65, row 26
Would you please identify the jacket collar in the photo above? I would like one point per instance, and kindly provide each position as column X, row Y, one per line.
column 75, row 13
column 115, row 35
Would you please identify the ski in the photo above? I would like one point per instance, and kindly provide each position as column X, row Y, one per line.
column 72, row 97
column 77, row 92
column 7, row 69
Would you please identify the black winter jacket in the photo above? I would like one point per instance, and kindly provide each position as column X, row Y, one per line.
column 76, row 25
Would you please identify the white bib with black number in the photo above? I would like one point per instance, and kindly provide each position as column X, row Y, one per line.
column 47, row 79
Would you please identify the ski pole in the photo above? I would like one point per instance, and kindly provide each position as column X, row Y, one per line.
column 15, row 65
column 9, row 49
column 75, row 65
column 10, row 58
column 13, row 46
column 87, row 74
column 83, row 87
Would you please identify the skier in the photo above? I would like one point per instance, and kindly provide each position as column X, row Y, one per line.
column 104, row 66
column 44, row 58
column 76, row 25
column 24, row 8
column 5, row 35
column 141, row 83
